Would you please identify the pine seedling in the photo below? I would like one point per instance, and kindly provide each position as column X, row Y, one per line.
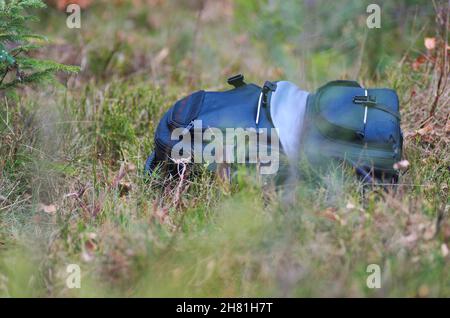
column 17, row 41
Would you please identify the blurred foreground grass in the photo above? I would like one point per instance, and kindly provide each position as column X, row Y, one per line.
column 71, row 183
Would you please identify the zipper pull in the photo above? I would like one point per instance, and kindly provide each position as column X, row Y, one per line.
column 188, row 128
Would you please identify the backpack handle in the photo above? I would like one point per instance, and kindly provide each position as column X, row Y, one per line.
column 342, row 83
column 236, row 80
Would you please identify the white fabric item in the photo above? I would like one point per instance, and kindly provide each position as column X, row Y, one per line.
column 287, row 108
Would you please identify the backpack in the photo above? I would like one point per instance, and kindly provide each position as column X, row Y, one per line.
column 360, row 126
column 243, row 107
column 343, row 121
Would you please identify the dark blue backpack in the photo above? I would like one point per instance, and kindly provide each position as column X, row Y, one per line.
column 360, row 126
column 343, row 121
column 235, row 108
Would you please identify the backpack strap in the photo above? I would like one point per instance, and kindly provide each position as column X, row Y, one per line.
column 268, row 88
column 150, row 163
column 371, row 101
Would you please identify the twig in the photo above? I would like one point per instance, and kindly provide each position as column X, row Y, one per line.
column 194, row 48
column 440, row 217
column 114, row 50
column 119, row 176
column 438, row 94
column 4, row 75
column 360, row 57
column 443, row 68
column 180, row 187
column 447, row 26
column 15, row 203
column 3, row 198
column 18, row 52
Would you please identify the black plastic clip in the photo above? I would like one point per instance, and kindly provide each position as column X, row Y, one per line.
column 263, row 97
column 365, row 100
column 236, row 80
column 269, row 86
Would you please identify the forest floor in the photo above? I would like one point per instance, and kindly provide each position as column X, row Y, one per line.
column 72, row 189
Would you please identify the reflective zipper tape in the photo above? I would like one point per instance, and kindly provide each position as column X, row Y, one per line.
column 365, row 109
column 259, row 108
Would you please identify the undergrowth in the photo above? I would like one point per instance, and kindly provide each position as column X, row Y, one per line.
column 72, row 188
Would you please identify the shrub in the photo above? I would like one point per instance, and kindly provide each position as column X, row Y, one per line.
column 17, row 41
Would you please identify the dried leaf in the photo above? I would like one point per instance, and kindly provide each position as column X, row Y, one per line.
column 90, row 245
column 160, row 213
column 421, row 59
column 161, row 56
column 423, row 291
column 350, row 206
column 124, row 188
column 430, row 43
column 428, row 133
column 330, row 213
column 87, row 257
column 131, row 167
column 444, row 250
column 425, row 130
column 50, row 209
column 401, row 165
column 92, row 235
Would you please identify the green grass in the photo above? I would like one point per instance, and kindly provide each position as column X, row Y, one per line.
column 82, row 149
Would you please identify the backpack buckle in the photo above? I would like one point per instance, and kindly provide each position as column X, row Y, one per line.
column 236, row 80
column 365, row 100
column 269, row 86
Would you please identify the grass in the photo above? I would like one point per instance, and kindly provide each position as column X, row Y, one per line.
column 72, row 189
